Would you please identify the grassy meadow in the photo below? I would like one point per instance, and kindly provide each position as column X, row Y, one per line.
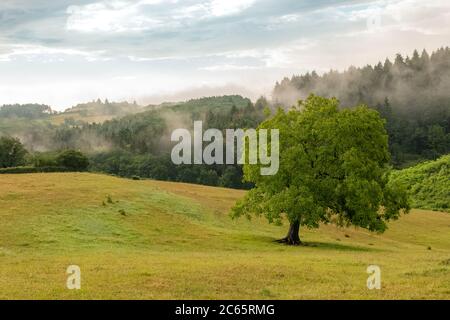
column 161, row 240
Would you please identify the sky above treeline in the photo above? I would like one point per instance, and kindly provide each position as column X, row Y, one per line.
column 65, row 52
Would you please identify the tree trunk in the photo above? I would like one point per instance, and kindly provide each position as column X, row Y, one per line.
column 292, row 238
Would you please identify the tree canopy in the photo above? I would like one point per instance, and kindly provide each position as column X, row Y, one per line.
column 74, row 160
column 12, row 152
column 333, row 168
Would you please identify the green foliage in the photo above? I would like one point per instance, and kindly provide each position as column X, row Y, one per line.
column 428, row 184
column 73, row 160
column 224, row 103
column 12, row 152
column 139, row 144
column 28, row 111
column 44, row 159
column 333, row 168
column 99, row 108
column 126, row 164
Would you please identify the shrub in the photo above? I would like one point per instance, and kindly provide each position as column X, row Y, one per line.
column 44, row 159
column 73, row 160
column 12, row 152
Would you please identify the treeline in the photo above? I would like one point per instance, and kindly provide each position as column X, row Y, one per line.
column 99, row 107
column 27, row 111
column 139, row 145
column 149, row 131
column 161, row 167
column 14, row 158
column 411, row 93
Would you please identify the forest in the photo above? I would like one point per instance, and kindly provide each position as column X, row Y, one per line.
column 411, row 93
column 130, row 140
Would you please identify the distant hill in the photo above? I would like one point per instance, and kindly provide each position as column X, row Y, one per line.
column 27, row 111
column 428, row 184
column 222, row 102
column 100, row 124
column 100, row 111
column 97, row 111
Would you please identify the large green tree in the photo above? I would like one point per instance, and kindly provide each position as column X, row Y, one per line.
column 333, row 168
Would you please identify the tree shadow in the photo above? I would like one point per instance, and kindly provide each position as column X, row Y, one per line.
column 336, row 246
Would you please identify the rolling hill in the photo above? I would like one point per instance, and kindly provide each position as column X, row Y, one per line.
column 149, row 239
column 428, row 184
column 97, row 111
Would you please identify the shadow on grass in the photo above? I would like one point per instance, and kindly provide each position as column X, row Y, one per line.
column 330, row 246
column 338, row 246
column 263, row 240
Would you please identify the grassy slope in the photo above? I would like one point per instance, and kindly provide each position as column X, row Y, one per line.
column 177, row 241
column 428, row 184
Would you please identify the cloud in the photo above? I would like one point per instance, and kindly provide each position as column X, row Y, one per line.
column 43, row 53
column 112, row 16
column 223, row 8
column 121, row 16
column 228, row 67
column 194, row 92
column 282, row 56
column 426, row 17
column 135, row 48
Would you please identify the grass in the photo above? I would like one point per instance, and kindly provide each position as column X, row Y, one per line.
column 428, row 183
column 162, row 240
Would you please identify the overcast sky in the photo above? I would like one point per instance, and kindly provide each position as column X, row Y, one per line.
column 64, row 52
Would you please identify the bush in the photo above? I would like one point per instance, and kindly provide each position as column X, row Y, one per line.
column 12, row 152
column 73, row 160
column 44, row 159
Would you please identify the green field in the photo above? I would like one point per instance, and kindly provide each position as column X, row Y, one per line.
column 162, row 240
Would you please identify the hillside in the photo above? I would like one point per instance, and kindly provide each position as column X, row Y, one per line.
column 40, row 128
column 411, row 93
column 210, row 103
column 428, row 184
column 97, row 111
column 149, row 239
column 136, row 144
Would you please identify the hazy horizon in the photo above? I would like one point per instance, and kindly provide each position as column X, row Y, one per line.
column 68, row 52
